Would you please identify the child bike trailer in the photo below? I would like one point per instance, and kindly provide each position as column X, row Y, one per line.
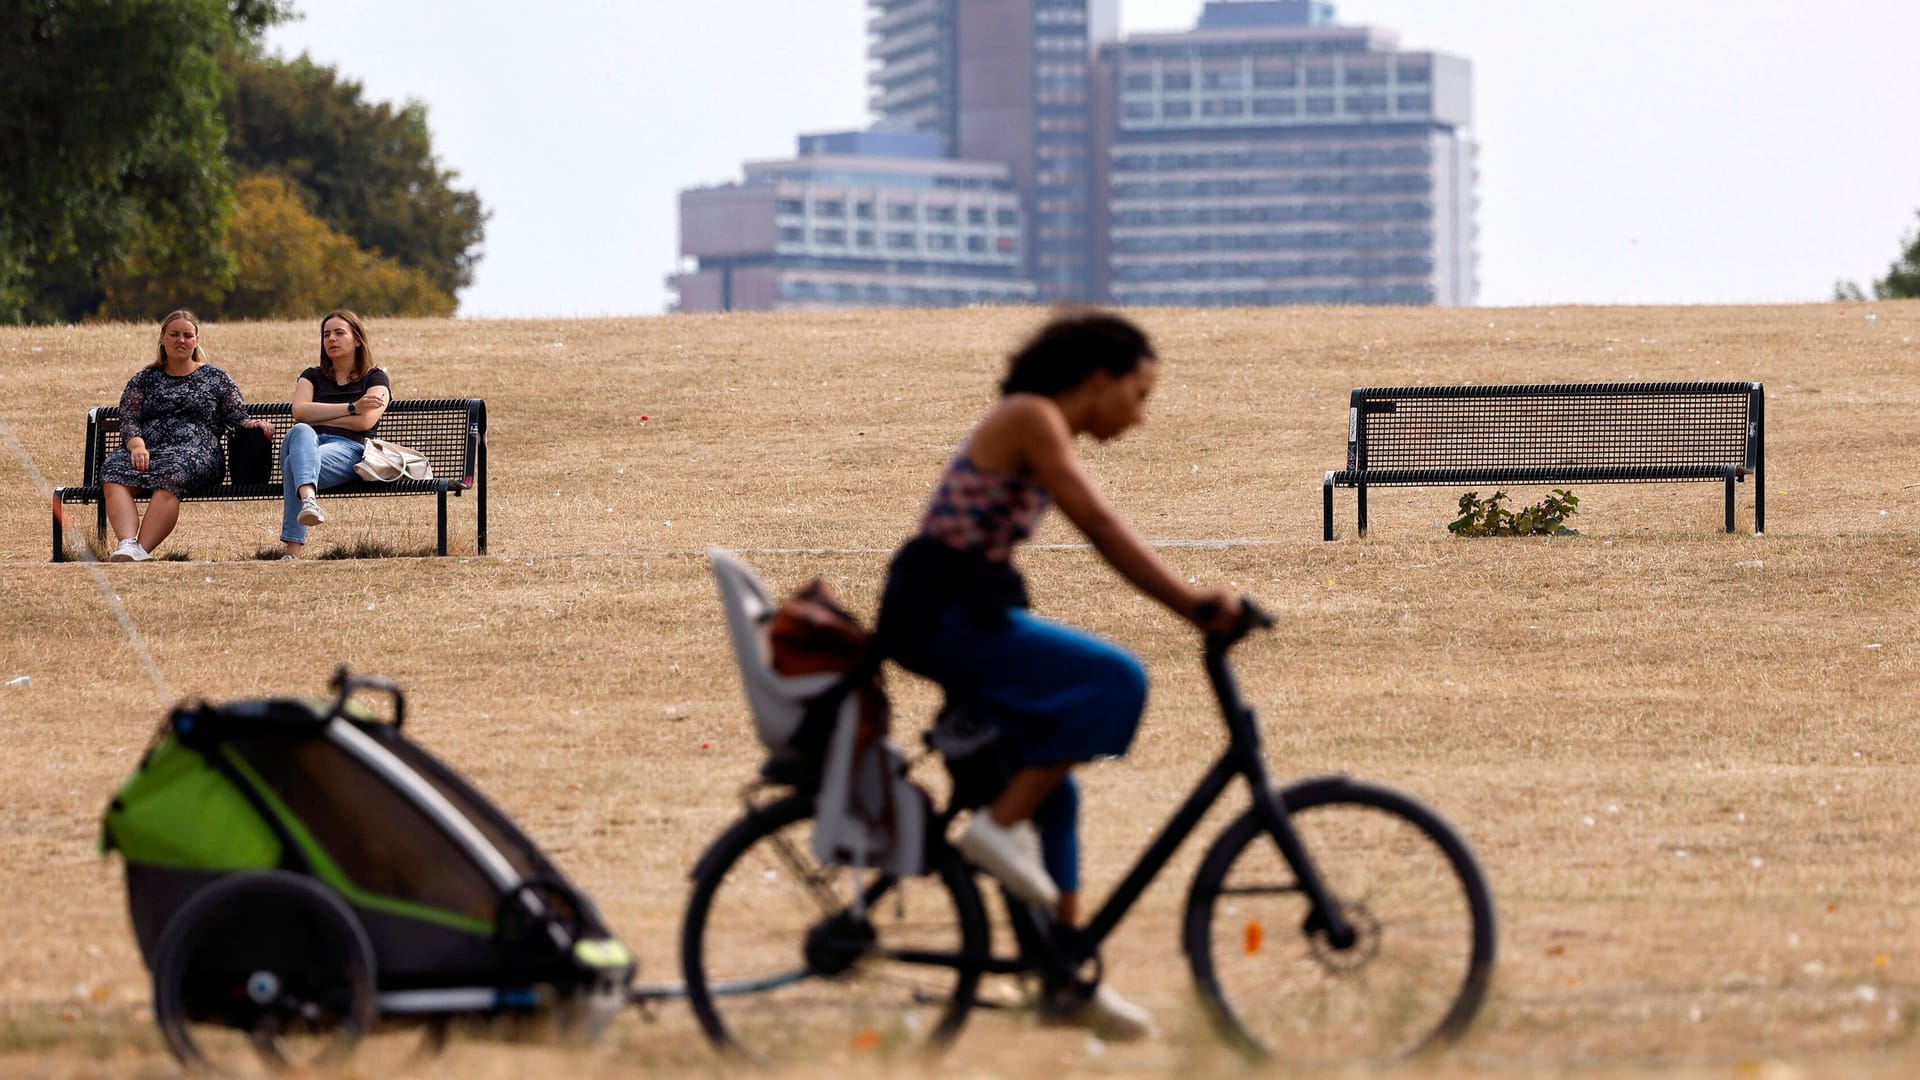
column 302, row 875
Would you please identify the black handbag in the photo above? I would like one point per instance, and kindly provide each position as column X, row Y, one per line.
column 249, row 456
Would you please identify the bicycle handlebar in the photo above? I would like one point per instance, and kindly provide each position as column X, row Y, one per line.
column 1252, row 617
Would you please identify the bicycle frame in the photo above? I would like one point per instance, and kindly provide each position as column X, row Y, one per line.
column 1072, row 948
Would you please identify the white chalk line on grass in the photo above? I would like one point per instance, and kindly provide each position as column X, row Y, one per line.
column 1202, row 545
column 669, row 553
column 100, row 581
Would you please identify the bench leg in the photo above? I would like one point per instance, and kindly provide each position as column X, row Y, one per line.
column 59, row 538
column 441, row 494
column 1363, row 509
column 1759, row 502
column 1326, row 508
column 480, row 489
column 1729, row 501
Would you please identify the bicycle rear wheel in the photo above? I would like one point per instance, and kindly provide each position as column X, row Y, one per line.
column 1405, row 881
column 780, row 968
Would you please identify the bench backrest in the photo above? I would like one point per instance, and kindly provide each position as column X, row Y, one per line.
column 449, row 431
column 1628, row 425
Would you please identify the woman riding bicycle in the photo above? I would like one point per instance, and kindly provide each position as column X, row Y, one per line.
column 955, row 609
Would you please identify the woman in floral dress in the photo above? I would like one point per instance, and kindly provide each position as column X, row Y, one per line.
column 173, row 415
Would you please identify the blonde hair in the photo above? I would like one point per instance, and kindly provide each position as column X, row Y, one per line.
column 199, row 353
column 362, row 352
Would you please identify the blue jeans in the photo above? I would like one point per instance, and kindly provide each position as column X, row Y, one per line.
column 307, row 458
column 1064, row 695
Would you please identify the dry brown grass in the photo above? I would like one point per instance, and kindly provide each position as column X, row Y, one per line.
column 1688, row 774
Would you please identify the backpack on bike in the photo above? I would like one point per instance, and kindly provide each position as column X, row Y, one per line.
column 798, row 653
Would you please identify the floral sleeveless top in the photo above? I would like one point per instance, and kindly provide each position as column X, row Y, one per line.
column 982, row 511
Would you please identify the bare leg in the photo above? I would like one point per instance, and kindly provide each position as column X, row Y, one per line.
column 1022, row 795
column 163, row 512
column 293, row 548
column 305, row 491
column 122, row 515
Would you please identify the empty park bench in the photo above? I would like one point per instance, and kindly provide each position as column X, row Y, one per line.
column 450, row 432
column 1575, row 433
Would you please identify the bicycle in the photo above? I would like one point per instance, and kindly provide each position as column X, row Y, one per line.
column 1298, row 949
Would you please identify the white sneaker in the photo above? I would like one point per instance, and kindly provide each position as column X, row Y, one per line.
column 1105, row 1013
column 310, row 512
column 129, row 551
column 1011, row 854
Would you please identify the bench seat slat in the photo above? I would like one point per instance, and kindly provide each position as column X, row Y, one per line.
column 1628, row 474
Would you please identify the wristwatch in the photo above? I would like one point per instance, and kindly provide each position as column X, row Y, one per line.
column 352, row 409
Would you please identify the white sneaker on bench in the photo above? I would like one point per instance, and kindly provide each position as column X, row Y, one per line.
column 310, row 512
column 129, row 551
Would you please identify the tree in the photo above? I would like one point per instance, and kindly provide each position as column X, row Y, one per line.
column 111, row 141
column 290, row 264
column 1903, row 277
column 1901, row 283
column 366, row 169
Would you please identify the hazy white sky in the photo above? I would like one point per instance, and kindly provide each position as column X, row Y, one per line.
column 1632, row 151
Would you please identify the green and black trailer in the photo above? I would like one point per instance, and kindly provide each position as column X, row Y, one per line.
column 300, row 874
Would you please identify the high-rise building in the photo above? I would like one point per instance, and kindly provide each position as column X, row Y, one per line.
column 1006, row 81
column 1267, row 157
column 856, row 219
column 913, row 82
column 1025, row 97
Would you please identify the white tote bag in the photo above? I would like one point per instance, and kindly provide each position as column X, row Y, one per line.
column 386, row 462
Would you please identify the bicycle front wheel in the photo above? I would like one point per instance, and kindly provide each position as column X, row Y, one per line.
column 782, row 966
column 1406, row 883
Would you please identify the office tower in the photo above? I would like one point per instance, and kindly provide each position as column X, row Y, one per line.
column 913, row 81
column 1006, row 81
column 1268, row 157
column 1265, row 157
column 856, row 219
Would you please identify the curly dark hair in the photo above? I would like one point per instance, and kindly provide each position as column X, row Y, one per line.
column 1070, row 348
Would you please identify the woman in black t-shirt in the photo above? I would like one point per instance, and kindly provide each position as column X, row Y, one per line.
column 336, row 405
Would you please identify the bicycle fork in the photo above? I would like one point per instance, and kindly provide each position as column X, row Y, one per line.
column 1246, row 757
column 1324, row 915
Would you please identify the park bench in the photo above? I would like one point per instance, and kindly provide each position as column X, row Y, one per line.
column 1574, row 433
column 450, row 432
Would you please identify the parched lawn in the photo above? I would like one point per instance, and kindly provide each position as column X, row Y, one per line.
column 1687, row 759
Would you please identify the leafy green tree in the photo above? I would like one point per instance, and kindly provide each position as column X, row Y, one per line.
column 1903, row 278
column 111, row 141
column 366, row 169
column 1901, row 283
column 291, row 265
